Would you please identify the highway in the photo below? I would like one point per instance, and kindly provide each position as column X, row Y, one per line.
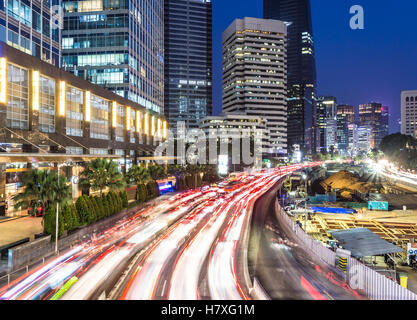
column 283, row 267
column 93, row 261
column 188, row 247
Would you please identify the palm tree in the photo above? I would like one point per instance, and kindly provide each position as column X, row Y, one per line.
column 42, row 188
column 156, row 172
column 100, row 174
column 138, row 175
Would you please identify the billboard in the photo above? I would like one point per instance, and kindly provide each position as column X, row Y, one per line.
column 378, row 205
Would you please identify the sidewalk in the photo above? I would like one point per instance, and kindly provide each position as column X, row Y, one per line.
column 17, row 229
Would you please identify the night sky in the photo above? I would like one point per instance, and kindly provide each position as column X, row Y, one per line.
column 355, row 66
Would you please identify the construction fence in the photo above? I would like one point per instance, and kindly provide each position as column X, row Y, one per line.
column 359, row 277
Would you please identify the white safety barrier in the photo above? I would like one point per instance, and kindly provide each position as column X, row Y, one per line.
column 359, row 277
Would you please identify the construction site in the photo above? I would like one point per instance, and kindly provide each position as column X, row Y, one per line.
column 347, row 197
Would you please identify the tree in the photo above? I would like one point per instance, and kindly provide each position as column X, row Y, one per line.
column 42, row 188
column 138, row 175
column 106, row 205
column 123, row 196
column 100, row 174
column 101, row 210
column 49, row 223
column 156, row 172
column 141, row 193
column 400, row 149
column 83, row 210
column 74, row 217
column 150, row 191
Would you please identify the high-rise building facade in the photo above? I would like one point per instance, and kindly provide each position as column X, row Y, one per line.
column 346, row 124
column 353, row 140
column 364, row 139
column 302, row 121
column 349, row 111
column 409, row 113
column 32, row 27
column 342, row 133
column 118, row 44
column 188, row 61
column 326, row 124
column 375, row 116
column 254, row 75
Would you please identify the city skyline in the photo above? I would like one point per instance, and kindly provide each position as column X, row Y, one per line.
column 365, row 74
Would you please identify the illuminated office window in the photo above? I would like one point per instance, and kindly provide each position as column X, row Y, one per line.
column 120, row 123
column 17, row 98
column 46, row 104
column 132, row 125
column 100, row 118
column 75, row 104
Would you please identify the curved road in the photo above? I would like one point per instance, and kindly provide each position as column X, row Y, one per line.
column 281, row 264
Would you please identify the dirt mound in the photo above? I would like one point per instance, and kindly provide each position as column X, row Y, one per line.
column 346, row 182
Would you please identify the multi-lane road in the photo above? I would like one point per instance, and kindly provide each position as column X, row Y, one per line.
column 187, row 247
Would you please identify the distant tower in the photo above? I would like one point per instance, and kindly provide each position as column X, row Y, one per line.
column 302, row 120
column 254, row 75
column 188, row 61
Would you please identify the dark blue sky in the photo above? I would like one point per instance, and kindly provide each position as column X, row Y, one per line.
column 356, row 66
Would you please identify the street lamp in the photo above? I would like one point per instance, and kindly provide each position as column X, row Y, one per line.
column 57, row 219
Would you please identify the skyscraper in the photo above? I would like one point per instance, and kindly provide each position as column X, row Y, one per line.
column 409, row 112
column 326, row 124
column 118, row 44
column 301, row 70
column 254, row 75
column 375, row 116
column 32, row 27
column 188, row 61
column 349, row 111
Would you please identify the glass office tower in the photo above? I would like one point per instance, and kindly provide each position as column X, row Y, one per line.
column 188, row 61
column 302, row 129
column 32, row 26
column 118, row 44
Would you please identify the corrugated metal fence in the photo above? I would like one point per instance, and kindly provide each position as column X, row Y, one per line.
column 359, row 277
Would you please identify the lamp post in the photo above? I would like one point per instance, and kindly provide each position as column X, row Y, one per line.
column 57, row 219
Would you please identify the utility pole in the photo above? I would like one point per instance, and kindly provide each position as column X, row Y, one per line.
column 57, row 220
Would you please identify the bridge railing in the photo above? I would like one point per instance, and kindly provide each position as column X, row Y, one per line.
column 359, row 277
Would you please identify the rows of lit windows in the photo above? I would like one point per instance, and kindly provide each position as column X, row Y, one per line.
column 76, row 105
column 74, row 114
column 23, row 15
column 17, row 97
column 100, row 124
column 46, row 105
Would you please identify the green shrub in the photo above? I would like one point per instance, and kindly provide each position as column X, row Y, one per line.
column 123, row 196
column 141, row 193
column 96, row 208
column 101, row 210
column 106, row 205
column 111, row 204
column 49, row 222
column 149, row 191
column 92, row 217
column 74, row 217
column 82, row 209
